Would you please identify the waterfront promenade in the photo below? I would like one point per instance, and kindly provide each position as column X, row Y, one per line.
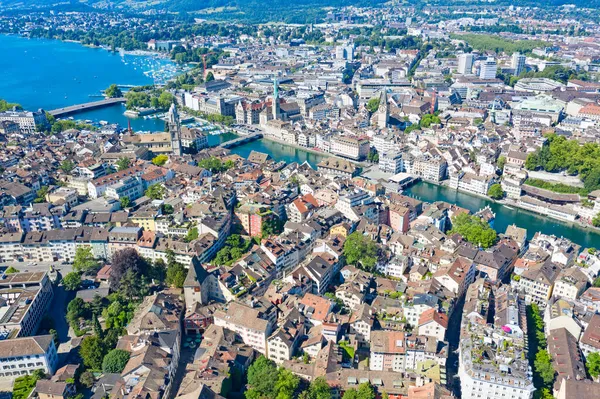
column 73, row 109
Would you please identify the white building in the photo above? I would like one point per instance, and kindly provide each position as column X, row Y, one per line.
column 517, row 63
column 349, row 147
column 21, row 356
column 465, row 64
column 488, row 69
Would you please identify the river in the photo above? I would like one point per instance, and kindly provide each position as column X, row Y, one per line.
column 505, row 216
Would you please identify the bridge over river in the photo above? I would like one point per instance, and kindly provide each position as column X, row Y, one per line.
column 241, row 140
column 73, row 109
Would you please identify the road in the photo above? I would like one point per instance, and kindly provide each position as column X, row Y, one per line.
column 453, row 338
column 38, row 267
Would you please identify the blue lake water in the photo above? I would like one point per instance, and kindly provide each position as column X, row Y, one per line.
column 49, row 74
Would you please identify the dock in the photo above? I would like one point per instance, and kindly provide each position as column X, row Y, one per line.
column 241, row 140
column 73, row 109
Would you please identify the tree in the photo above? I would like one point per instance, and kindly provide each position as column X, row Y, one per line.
column 11, row 270
column 360, row 250
column 191, row 235
column 41, row 194
column 125, row 202
column 543, row 366
column 501, row 162
column 85, row 261
column 115, row 361
column 287, row 383
column 592, row 363
column 72, row 281
column 123, row 163
column 67, row 166
column 373, row 105
column 158, row 271
column 76, row 309
column 596, row 220
column 113, row 91
column 160, row 159
column 124, row 260
column 319, row 389
column 262, row 378
column 496, row 191
column 176, row 275
column 474, row 230
column 155, row 191
column 87, row 379
column 210, row 77
column 366, row 391
column 271, row 226
column 92, row 351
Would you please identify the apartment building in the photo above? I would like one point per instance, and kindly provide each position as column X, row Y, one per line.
column 349, row 147
column 252, row 323
column 25, row 299
column 21, row 356
column 27, row 120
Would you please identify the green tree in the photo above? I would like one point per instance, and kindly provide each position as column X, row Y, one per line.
column 429, row 119
column 592, row 363
column 319, row 389
column 165, row 100
column 474, row 230
column 262, row 379
column 210, row 77
column 113, row 91
column 115, row 361
column 125, row 202
column 271, row 226
column 596, row 220
column 156, row 191
column 191, row 235
column 176, row 274
column 67, row 166
column 160, row 159
column 361, row 250
column 543, row 366
column 92, row 351
column 123, row 163
column 72, row 281
column 41, row 194
column 373, row 105
column 501, row 162
column 87, row 379
column 286, row 385
column 158, row 272
column 496, row 191
column 85, row 261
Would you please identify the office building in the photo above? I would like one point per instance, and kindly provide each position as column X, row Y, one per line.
column 487, row 69
column 465, row 63
column 517, row 63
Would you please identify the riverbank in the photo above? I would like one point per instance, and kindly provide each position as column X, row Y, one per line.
column 505, row 216
column 313, row 151
column 513, row 203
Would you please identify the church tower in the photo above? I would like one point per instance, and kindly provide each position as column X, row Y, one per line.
column 275, row 108
column 383, row 112
column 174, row 129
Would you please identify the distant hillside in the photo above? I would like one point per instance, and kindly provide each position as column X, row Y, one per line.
column 297, row 11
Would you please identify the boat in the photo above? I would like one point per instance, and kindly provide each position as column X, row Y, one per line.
column 506, row 206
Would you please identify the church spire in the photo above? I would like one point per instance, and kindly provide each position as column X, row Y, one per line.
column 174, row 129
column 276, row 113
